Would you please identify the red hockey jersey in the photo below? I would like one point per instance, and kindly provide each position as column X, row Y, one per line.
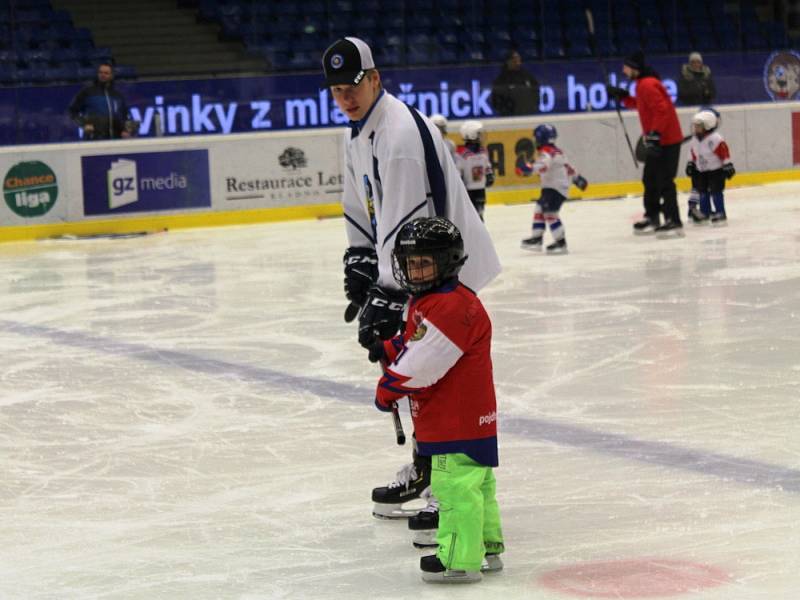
column 443, row 363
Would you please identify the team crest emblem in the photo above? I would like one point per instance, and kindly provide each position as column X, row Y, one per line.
column 337, row 61
column 782, row 75
column 419, row 333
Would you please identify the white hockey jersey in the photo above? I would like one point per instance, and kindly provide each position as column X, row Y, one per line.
column 473, row 166
column 388, row 182
column 710, row 153
column 553, row 169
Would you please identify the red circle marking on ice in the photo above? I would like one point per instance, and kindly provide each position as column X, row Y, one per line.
column 640, row 578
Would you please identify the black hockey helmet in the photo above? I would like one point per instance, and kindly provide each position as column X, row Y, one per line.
column 428, row 236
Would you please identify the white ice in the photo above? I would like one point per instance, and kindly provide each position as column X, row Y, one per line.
column 187, row 416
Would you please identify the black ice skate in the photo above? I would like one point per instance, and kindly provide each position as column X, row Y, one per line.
column 558, row 247
column 425, row 523
column 433, row 571
column 491, row 563
column 532, row 244
column 670, row 229
column 409, row 485
column 719, row 220
column 644, row 227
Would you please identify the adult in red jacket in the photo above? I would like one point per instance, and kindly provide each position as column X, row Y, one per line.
column 662, row 138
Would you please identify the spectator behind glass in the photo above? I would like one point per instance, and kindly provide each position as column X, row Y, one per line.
column 695, row 84
column 515, row 91
column 99, row 109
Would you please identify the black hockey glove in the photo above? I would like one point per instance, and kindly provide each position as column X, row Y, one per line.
column 652, row 144
column 691, row 169
column 728, row 169
column 360, row 272
column 381, row 317
column 580, row 182
column 376, row 352
column 616, row 93
column 489, row 180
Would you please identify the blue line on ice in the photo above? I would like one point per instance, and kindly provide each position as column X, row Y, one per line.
column 730, row 468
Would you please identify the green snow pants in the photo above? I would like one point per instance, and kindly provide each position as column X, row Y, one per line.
column 469, row 517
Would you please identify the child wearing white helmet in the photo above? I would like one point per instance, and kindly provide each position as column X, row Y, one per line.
column 473, row 163
column 709, row 167
column 441, row 124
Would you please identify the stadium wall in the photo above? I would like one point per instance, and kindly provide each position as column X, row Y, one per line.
column 125, row 186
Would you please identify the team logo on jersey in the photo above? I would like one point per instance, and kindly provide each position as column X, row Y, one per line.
column 337, row 61
column 419, row 333
column 782, row 75
column 293, row 158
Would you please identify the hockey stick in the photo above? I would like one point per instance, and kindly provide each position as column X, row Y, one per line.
column 593, row 45
column 398, row 426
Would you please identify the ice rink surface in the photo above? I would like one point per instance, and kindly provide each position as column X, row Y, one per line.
column 187, row 416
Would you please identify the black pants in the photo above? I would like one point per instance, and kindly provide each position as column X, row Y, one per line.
column 659, row 184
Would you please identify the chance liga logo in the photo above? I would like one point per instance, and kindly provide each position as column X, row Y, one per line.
column 30, row 188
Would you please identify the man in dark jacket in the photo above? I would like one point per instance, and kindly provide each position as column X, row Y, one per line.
column 100, row 109
column 514, row 91
column 662, row 138
column 695, row 84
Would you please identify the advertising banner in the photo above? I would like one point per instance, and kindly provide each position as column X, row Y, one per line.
column 278, row 102
column 276, row 170
column 145, row 182
column 34, row 188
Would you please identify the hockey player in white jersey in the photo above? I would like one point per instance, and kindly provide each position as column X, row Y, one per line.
column 472, row 161
column 555, row 173
column 709, row 167
column 441, row 123
column 396, row 168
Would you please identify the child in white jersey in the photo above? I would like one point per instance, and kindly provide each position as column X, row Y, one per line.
column 473, row 163
column 555, row 172
column 709, row 166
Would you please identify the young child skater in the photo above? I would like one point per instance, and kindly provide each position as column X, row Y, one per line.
column 442, row 362
column 555, row 172
column 473, row 163
column 709, row 166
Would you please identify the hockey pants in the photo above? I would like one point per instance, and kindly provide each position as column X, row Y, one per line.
column 658, row 178
column 469, row 516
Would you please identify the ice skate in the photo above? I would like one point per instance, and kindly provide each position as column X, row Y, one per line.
column 644, row 227
column 719, row 220
column 532, row 244
column 697, row 216
column 425, row 523
column 670, row 229
column 558, row 247
column 492, row 563
column 433, row 571
column 389, row 500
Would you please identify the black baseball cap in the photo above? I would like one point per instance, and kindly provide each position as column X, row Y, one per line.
column 346, row 61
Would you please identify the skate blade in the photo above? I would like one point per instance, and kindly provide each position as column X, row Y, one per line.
column 667, row 235
column 719, row 224
column 557, row 252
column 532, row 249
column 391, row 512
column 450, row 576
column 644, row 232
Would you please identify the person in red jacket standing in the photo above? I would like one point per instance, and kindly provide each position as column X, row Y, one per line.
column 662, row 137
column 442, row 362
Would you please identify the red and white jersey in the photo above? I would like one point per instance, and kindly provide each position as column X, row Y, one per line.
column 553, row 169
column 709, row 153
column 443, row 363
column 473, row 166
